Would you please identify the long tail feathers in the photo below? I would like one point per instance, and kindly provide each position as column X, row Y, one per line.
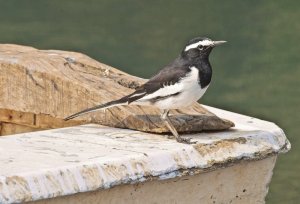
column 98, row 107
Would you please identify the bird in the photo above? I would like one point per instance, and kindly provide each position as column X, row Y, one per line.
column 177, row 85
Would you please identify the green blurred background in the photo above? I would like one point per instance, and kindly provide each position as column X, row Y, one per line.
column 256, row 73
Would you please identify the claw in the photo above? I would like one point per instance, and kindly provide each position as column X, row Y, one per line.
column 184, row 140
column 168, row 123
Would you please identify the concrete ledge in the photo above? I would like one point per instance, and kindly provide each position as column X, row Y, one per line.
column 235, row 184
column 59, row 162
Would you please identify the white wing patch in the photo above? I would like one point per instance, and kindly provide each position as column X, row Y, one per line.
column 204, row 43
column 164, row 91
column 183, row 85
column 137, row 94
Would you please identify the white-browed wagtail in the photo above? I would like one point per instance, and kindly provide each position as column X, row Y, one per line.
column 177, row 85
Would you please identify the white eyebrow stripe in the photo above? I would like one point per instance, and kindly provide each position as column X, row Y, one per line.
column 204, row 43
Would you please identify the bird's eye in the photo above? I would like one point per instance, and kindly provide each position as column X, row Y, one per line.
column 200, row 47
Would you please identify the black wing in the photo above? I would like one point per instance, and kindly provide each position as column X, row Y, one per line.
column 169, row 75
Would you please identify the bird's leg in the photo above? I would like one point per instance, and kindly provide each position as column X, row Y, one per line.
column 167, row 121
column 165, row 118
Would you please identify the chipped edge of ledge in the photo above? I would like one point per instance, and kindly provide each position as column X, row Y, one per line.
column 50, row 183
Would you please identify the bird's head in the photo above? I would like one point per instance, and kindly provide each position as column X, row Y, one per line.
column 200, row 47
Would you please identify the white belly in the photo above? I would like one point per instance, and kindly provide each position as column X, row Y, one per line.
column 182, row 100
column 189, row 89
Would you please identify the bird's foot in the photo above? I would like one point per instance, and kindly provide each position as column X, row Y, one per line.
column 184, row 140
column 173, row 130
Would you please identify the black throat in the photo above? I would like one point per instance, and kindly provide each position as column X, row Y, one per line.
column 205, row 72
column 204, row 67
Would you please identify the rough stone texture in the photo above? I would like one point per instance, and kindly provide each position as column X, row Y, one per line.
column 66, row 161
column 232, row 185
column 45, row 86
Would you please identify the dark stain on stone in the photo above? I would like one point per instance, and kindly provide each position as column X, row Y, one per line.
column 128, row 84
column 54, row 85
column 33, row 79
column 34, row 119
